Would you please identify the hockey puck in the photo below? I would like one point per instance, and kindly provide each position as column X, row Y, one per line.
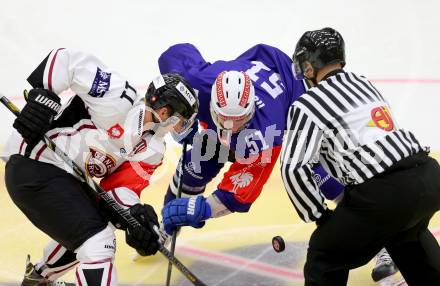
column 278, row 243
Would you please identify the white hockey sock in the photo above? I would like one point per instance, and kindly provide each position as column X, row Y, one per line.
column 57, row 260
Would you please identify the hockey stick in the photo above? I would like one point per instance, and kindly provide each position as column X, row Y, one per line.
column 124, row 213
column 179, row 194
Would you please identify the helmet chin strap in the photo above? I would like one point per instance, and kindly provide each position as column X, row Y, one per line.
column 312, row 79
column 155, row 120
column 305, row 69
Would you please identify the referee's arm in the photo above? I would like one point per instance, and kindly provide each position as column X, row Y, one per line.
column 300, row 149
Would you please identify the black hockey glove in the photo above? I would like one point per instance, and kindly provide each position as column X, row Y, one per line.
column 37, row 115
column 143, row 238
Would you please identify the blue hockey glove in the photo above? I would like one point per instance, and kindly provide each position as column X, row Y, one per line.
column 185, row 212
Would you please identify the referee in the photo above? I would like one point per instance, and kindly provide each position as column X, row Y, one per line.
column 392, row 186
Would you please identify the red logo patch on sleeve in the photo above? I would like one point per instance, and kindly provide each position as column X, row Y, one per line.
column 381, row 118
column 116, row 131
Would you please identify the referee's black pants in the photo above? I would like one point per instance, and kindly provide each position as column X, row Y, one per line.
column 391, row 210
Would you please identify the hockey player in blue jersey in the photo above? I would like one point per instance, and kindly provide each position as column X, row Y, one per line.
column 243, row 109
column 265, row 81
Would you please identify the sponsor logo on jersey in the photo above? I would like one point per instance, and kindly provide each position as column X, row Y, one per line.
column 48, row 102
column 381, row 118
column 191, row 206
column 242, row 180
column 115, row 132
column 140, row 122
column 98, row 163
column 109, row 246
column 190, row 169
column 101, row 83
column 186, row 93
column 112, row 247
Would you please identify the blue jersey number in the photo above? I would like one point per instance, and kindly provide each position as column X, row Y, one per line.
column 272, row 87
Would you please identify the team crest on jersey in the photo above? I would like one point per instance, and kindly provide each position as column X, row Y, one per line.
column 241, row 180
column 101, row 83
column 116, row 131
column 98, row 163
column 381, row 118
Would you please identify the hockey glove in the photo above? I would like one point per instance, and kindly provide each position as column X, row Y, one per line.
column 143, row 238
column 37, row 115
column 185, row 211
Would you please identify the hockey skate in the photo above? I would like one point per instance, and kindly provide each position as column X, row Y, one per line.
column 384, row 267
column 33, row 278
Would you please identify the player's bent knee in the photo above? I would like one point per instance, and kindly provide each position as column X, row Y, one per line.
column 100, row 246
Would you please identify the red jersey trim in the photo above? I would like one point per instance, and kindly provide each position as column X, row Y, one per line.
column 246, row 181
column 52, row 63
column 77, row 277
column 61, row 270
column 21, row 146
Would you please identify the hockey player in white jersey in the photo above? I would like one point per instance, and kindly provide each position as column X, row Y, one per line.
column 111, row 130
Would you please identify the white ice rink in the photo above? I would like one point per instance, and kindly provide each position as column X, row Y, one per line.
column 394, row 43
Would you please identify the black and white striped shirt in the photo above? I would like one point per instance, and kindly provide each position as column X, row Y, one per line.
column 344, row 124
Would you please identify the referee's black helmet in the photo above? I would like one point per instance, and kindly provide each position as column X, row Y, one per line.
column 320, row 48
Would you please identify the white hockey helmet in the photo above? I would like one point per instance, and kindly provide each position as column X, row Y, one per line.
column 232, row 100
